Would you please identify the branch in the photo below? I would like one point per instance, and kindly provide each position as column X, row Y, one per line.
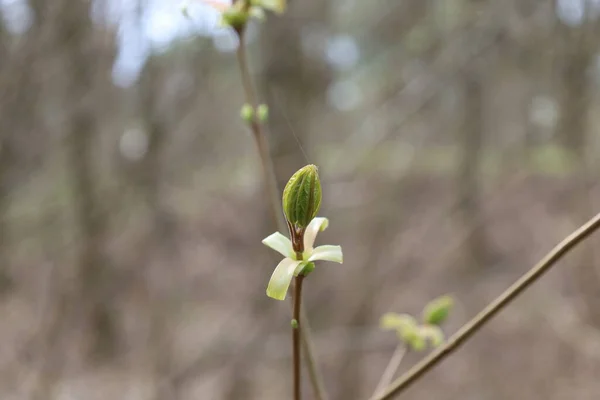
column 491, row 310
column 296, row 331
column 274, row 200
column 391, row 369
column 259, row 136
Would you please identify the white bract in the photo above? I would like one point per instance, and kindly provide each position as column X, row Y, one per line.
column 291, row 266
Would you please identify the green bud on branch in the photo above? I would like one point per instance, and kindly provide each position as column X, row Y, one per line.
column 262, row 113
column 436, row 312
column 301, row 202
column 247, row 113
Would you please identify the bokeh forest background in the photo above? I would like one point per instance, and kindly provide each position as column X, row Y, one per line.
column 458, row 141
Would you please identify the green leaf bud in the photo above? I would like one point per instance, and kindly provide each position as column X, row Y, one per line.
column 437, row 310
column 262, row 113
column 302, row 198
column 247, row 113
column 294, row 324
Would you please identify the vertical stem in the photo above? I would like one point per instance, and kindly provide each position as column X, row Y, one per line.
column 259, row 136
column 274, row 201
column 296, row 333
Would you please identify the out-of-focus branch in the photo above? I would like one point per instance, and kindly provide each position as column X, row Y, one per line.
column 391, row 369
column 491, row 310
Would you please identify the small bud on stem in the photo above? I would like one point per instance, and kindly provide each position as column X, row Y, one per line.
column 301, row 203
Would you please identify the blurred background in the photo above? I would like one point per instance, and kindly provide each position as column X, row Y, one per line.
column 457, row 142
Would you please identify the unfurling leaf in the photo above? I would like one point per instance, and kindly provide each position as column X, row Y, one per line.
column 436, row 312
column 396, row 321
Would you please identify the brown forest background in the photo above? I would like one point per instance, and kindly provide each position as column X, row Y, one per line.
column 456, row 147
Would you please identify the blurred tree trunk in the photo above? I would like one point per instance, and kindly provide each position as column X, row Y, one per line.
column 18, row 108
column 575, row 60
column 579, row 47
column 75, row 33
column 6, row 117
column 471, row 133
column 162, row 246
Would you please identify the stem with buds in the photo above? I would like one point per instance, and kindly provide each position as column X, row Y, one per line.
column 270, row 180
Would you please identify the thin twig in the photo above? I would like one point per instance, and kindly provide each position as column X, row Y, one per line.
column 491, row 310
column 259, row 136
column 296, row 330
column 312, row 367
column 391, row 369
column 274, row 200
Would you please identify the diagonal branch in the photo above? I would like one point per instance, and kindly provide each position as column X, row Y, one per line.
column 491, row 310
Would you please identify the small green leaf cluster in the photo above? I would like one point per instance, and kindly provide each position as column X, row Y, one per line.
column 416, row 335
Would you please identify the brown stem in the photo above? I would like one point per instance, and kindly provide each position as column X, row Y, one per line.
column 491, row 310
column 259, row 136
column 274, row 201
column 296, row 333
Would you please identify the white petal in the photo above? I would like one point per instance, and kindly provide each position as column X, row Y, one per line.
column 317, row 225
column 327, row 253
column 281, row 278
column 280, row 243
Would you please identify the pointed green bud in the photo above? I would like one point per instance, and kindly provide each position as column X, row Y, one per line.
column 262, row 113
column 437, row 310
column 302, row 198
column 247, row 113
column 294, row 324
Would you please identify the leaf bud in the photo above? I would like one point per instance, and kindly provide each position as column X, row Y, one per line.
column 302, row 198
column 437, row 310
